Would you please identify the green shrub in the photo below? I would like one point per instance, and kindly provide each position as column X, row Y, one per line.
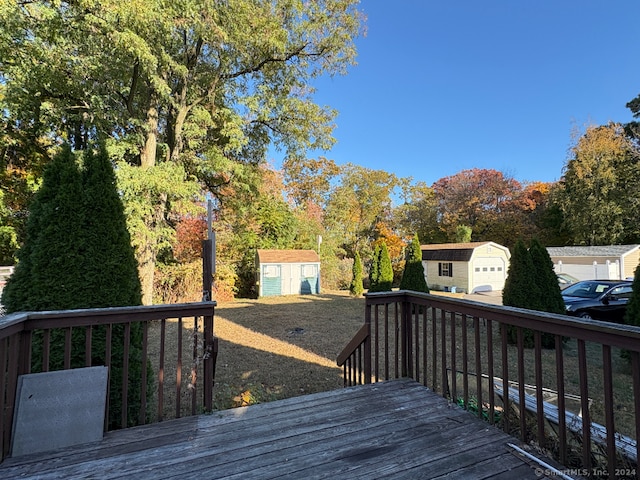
column 78, row 254
column 356, row 288
column 413, row 275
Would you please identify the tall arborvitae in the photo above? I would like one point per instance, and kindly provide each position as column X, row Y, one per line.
column 356, row 288
column 520, row 288
column 374, row 270
column 550, row 297
column 632, row 315
column 78, row 254
column 385, row 277
column 413, row 274
column 548, row 291
column 50, row 271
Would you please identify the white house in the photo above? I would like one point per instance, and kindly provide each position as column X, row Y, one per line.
column 466, row 267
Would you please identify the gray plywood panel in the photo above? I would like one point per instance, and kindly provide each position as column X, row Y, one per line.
column 59, row 409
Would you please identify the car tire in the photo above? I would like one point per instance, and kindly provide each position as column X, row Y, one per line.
column 585, row 315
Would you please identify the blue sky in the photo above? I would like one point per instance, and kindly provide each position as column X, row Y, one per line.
column 443, row 86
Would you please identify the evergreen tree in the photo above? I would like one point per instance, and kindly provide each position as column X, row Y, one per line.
column 413, row 275
column 78, row 254
column 632, row 315
column 356, row 289
column 385, row 270
column 549, row 295
column 374, row 269
column 520, row 288
column 49, row 274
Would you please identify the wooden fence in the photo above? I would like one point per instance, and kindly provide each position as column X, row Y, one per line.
column 167, row 352
column 578, row 399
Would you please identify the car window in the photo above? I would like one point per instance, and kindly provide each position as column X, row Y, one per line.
column 623, row 291
column 601, row 288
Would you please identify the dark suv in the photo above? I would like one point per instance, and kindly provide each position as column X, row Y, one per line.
column 599, row 299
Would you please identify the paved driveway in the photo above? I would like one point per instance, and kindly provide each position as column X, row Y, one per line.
column 494, row 297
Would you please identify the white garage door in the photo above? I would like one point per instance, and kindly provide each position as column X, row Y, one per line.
column 488, row 274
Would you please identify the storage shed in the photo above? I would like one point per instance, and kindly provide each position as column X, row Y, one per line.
column 466, row 267
column 287, row 272
column 607, row 262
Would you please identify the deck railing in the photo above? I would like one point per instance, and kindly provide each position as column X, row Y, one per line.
column 578, row 398
column 172, row 345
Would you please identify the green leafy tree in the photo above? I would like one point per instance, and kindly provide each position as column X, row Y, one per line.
column 413, row 275
column 356, row 288
column 205, row 86
column 78, row 254
column 463, row 233
column 599, row 176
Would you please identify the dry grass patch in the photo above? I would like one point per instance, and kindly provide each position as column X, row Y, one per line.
column 280, row 347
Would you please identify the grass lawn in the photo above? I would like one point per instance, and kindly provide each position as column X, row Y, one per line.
column 280, row 347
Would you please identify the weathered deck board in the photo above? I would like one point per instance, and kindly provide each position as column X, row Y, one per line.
column 393, row 429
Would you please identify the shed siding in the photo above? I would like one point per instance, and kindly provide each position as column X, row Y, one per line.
column 271, row 280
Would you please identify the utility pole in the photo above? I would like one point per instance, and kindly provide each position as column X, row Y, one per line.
column 208, row 255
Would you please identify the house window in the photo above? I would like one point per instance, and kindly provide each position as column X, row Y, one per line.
column 445, row 269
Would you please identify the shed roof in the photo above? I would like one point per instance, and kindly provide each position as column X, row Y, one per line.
column 288, row 256
column 451, row 252
column 592, row 251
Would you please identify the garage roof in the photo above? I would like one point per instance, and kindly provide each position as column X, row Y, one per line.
column 288, row 256
column 450, row 252
column 592, row 251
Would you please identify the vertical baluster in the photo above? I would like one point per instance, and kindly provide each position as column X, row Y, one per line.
column 505, row 376
column 521, row 382
column 635, row 373
column 143, row 388
column 465, row 362
column 163, row 333
column 125, row 374
column 584, row 399
column 67, row 348
column 87, row 346
column 194, row 367
column 107, row 362
column 434, row 350
column 490, row 372
column 562, row 412
column 179, row 369
column 608, row 408
column 443, row 352
column 424, row 343
column 454, row 368
column 476, row 328
column 46, row 349
column 537, row 340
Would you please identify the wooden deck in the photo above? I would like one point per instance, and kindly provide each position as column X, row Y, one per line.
column 395, row 429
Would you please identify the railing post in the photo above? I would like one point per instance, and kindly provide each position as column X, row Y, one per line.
column 367, row 345
column 209, row 354
column 405, row 332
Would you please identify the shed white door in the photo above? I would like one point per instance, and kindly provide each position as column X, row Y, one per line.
column 487, row 274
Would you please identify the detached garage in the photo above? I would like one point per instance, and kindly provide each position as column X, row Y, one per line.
column 288, row 272
column 606, row 262
column 466, row 267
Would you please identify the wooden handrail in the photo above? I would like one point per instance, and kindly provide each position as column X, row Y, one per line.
column 18, row 331
column 443, row 341
column 358, row 339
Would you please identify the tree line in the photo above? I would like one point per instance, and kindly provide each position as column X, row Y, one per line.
column 186, row 99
